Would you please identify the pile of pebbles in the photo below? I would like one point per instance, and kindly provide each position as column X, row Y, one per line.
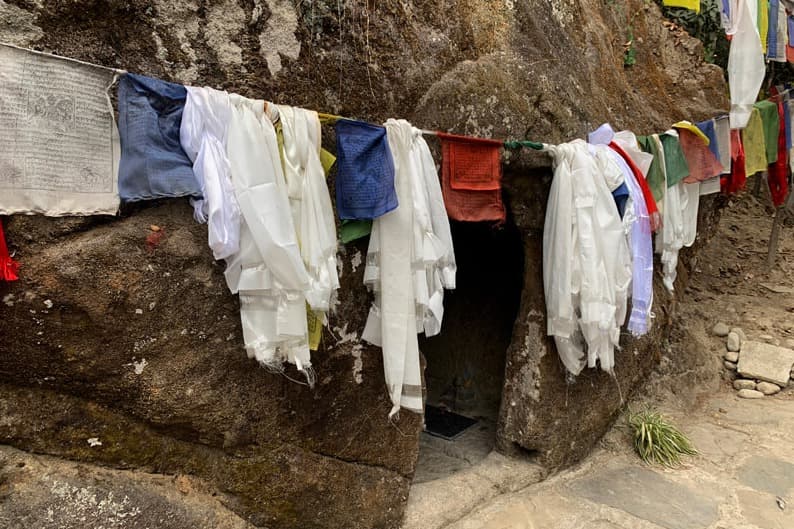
column 748, row 388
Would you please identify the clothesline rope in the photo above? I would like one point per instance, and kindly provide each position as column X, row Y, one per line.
column 331, row 118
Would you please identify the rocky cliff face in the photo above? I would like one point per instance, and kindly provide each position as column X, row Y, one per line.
column 118, row 338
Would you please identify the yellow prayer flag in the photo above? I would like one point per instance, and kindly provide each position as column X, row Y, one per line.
column 694, row 5
column 754, row 146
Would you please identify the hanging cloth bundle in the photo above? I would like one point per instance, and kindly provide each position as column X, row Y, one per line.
column 410, row 260
column 268, row 271
column 8, row 267
column 205, row 125
column 471, row 178
column 585, row 252
column 636, row 222
column 365, row 171
column 746, row 68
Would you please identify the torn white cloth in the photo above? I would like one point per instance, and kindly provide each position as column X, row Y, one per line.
column 670, row 239
column 310, row 202
column 585, row 253
column 746, row 67
column 203, row 132
column 410, row 260
column 268, row 271
column 59, row 145
column 691, row 204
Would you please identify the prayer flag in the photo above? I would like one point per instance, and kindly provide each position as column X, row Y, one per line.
column 59, row 147
column 365, row 171
column 471, row 178
column 153, row 163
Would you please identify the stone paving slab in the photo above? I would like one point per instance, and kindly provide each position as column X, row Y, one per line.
column 649, row 496
column 762, row 510
column 767, row 474
column 766, row 362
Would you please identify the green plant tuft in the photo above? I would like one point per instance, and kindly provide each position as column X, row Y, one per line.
column 656, row 440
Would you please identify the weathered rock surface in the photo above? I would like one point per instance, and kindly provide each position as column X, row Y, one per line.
column 731, row 356
column 141, row 348
column 766, row 362
column 170, row 390
column 45, row 492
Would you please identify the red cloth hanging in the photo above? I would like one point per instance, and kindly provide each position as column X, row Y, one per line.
column 647, row 194
column 471, row 178
column 777, row 176
column 737, row 178
column 8, row 267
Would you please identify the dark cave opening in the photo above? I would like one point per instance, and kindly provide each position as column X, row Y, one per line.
column 466, row 362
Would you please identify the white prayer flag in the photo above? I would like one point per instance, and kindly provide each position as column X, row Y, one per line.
column 59, row 148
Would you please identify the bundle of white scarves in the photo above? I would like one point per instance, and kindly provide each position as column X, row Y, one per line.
column 274, row 227
column 586, row 259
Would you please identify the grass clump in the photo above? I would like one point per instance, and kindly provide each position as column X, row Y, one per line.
column 656, row 440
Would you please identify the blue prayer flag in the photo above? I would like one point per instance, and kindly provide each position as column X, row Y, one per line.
column 153, row 164
column 365, row 176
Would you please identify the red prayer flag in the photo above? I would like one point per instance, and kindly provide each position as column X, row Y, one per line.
column 701, row 161
column 471, row 178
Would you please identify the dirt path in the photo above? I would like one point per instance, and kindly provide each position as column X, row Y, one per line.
column 743, row 477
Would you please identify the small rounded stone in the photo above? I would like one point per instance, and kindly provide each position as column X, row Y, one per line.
column 729, row 365
column 734, row 342
column 731, row 356
column 742, row 383
column 750, row 394
column 721, row 329
column 767, row 388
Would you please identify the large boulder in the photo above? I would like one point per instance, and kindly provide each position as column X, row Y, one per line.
column 121, row 335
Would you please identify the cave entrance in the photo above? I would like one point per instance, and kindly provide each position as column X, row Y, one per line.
column 466, row 362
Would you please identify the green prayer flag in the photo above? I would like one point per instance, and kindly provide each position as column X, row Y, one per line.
column 675, row 163
column 354, row 229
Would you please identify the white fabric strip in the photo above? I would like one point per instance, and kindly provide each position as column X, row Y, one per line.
column 205, row 124
column 409, row 262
